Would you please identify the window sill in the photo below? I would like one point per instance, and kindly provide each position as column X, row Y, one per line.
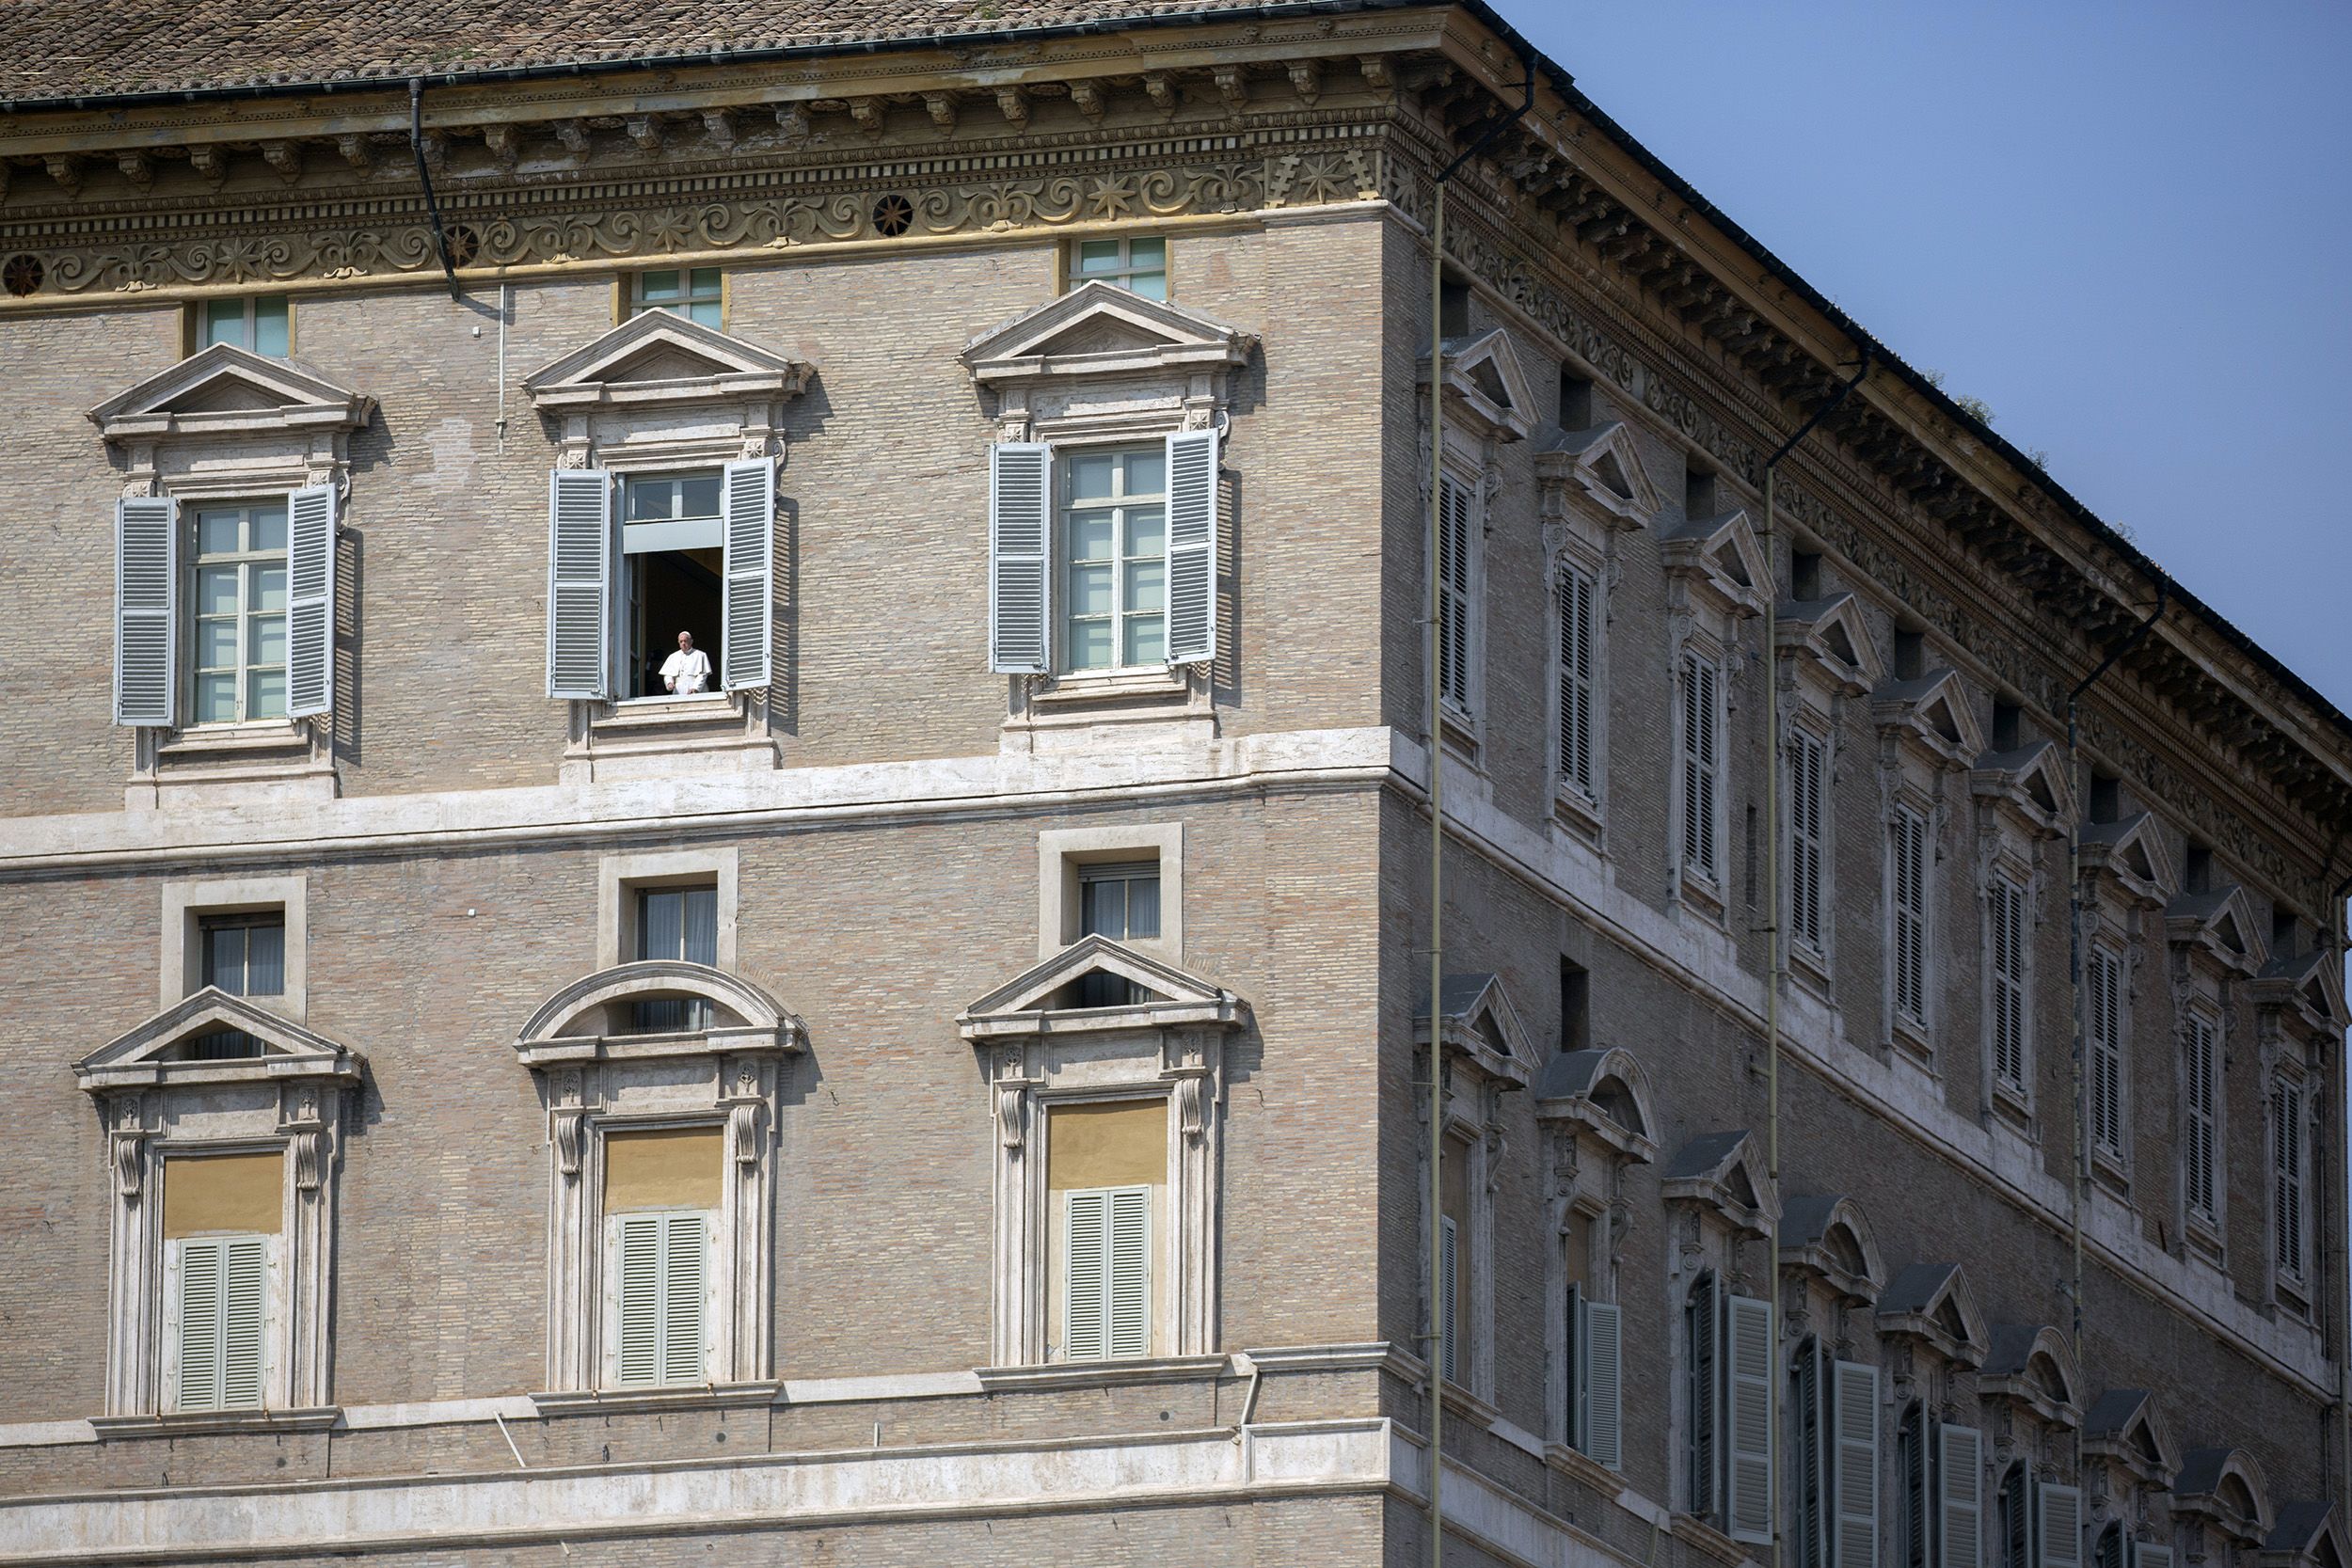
column 1100, row 1374
column 1696, row 891
column 1459, row 733
column 2108, row 1171
column 693, row 1395
column 1058, row 712
column 636, row 738
column 268, row 762
column 1577, row 1464
column 262, row 736
column 196, row 1422
column 2204, row 1242
column 1810, row 970
column 2011, row 1104
column 1463, row 1405
column 1910, row 1037
column 1578, row 811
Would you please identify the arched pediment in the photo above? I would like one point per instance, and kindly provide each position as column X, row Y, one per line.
column 1044, row 998
column 2220, row 923
column 658, row 357
column 1828, row 1236
column 1932, row 1303
column 1601, row 1092
column 1602, row 467
column 1484, row 382
column 589, row 1019
column 159, row 1052
column 1724, row 1172
column 2133, row 852
column 1480, row 1024
column 2124, row 1425
column 2224, row 1486
column 2031, row 1364
column 2031, row 781
column 1722, row 554
column 1931, row 711
column 1098, row 329
column 1830, row 632
column 228, row 390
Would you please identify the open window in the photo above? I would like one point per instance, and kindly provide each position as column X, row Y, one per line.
column 671, row 586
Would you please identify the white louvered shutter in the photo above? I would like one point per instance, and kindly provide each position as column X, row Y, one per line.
column 1020, row 585
column 1577, row 635
column 147, row 595
column 685, row 1264
column 1447, row 1263
column 2201, row 1116
column 309, row 601
column 1854, row 1420
column 1192, row 546
column 1086, row 1270
column 1603, row 1385
column 2058, row 1527
column 639, row 1292
column 244, row 1294
column 1751, row 1343
column 1960, row 1496
column 1128, row 1293
column 200, row 1326
column 1453, row 592
column 749, row 610
column 580, row 583
column 2286, row 1156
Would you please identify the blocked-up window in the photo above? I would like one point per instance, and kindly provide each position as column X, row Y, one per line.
column 662, row 1194
column 1106, row 1171
column 222, row 1218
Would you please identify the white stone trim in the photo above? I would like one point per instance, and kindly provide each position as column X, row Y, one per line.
column 619, row 875
column 185, row 903
column 1060, row 851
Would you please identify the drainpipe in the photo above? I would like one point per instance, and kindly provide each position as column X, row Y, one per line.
column 425, row 175
column 1433, row 1341
column 1775, row 928
column 2080, row 1197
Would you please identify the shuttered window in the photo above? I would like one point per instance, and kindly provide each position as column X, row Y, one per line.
column 1911, row 1489
column 1595, row 1379
column 1750, row 1340
column 2286, row 1160
column 1457, row 523
column 1449, row 1285
column 1855, row 1458
column 2201, row 1071
column 2103, row 1002
column 663, row 1274
column 223, row 1316
column 2109, row 1552
column 1809, row 1457
column 1702, row 1336
column 1107, row 1309
column 2005, row 908
column 2057, row 1532
column 1577, row 595
column 1702, row 765
column 1908, row 944
column 237, row 667
column 2146, row 1555
column 2015, row 1539
column 1959, row 1496
column 748, row 608
column 580, row 553
column 1191, row 461
column 1808, row 830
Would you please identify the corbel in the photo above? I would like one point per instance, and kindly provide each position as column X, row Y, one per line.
column 1087, row 97
column 573, row 133
column 1162, row 92
column 1377, row 73
column 1307, row 80
column 501, row 139
column 792, row 123
column 565, row 1131
column 137, row 169
column 942, row 108
column 646, row 131
column 869, row 114
column 285, row 156
column 1232, row 85
column 66, row 169
column 355, row 151
column 719, row 125
column 1013, row 104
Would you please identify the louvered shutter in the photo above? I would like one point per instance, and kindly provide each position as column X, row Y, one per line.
column 1192, row 546
column 1453, row 592
column 147, row 595
column 1750, row 1342
column 200, row 1326
column 2286, row 1155
column 1960, row 1496
column 309, row 601
column 2109, row 1553
column 684, row 1247
column 1854, row 1420
column 1020, row 591
column 1576, row 679
column 1702, row 1334
column 580, row 582
column 1447, row 1278
column 1128, row 1293
column 749, row 609
column 1806, row 841
column 2147, row 1555
column 2016, row 1520
column 2008, row 982
column 2058, row 1527
column 2201, row 1116
column 2106, row 1071
column 1805, row 1456
column 1911, row 1462
column 1699, row 761
column 1604, row 1384
column 244, row 1293
column 639, row 1293
column 1086, row 1267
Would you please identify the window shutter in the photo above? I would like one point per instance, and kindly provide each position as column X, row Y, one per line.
column 685, row 1245
column 200, row 1326
column 2058, row 1527
column 309, row 601
column 1702, row 1331
column 1084, row 1244
column 1603, row 1384
column 2146, row 1555
column 1453, row 574
column 1960, row 1504
column 1910, row 1460
column 2201, row 1118
column 1192, row 546
column 1447, row 1280
column 1020, row 520
column 1751, row 1500
column 2109, row 1553
column 749, row 607
column 147, row 596
column 1804, row 1403
column 640, row 1291
column 1804, row 802
column 2016, row 1520
column 2287, row 1154
column 1576, row 679
column 580, row 582
column 1854, row 1417
column 243, row 1276
column 1130, row 1273
column 1698, row 765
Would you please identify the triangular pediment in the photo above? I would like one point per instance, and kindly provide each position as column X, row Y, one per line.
column 1933, row 1302
column 1725, row 1172
column 2220, row 921
column 1161, row 992
column 2307, row 981
column 1721, row 552
column 1100, row 328
column 229, row 389
column 1602, row 467
column 1933, row 710
column 1833, row 632
column 2124, row 1425
column 661, row 356
column 158, row 1051
column 2032, row 779
column 1480, row 1022
column 2133, row 851
column 1484, row 381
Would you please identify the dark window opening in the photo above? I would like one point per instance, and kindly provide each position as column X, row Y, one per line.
column 1804, row 575
column 2106, row 798
column 1698, row 493
column 2007, row 726
column 245, row 955
column 2286, row 934
column 1576, row 1007
column 2196, row 868
column 1911, row 655
column 1121, row 902
column 677, row 922
column 673, row 576
column 1576, row 401
column 1454, row 316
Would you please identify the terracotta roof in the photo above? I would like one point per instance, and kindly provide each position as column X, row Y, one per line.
column 60, row 49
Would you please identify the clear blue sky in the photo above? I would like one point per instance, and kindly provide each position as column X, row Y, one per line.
column 2126, row 226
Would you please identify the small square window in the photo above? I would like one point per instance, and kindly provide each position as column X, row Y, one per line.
column 262, row 322
column 693, row 294
column 1139, row 266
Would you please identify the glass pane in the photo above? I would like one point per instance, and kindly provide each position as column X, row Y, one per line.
column 1146, row 472
column 1147, row 641
column 216, row 644
column 1106, row 911
column 216, row 533
column 1147, row 253
column 224, row 322
column 699, row 496
column 215, row 699
column 266, row 694
column 660, row 913
column 216, row 591
column 1147, row 585
column 653, row 288
column 269, row 528
column 265, row 639
column 705, row 280
column 647, row 501
column 1090, row 475
column 1098, row 256
column 1090, row 536
column 1091, row 645
column 264, row 960
column 1151, row 285
column 269, row 326
column 704, row 311
column 224, row 959
column 702, row 926
column 269, row 587
column 1143, row 906
column 1091, row 590
column 1146, row 531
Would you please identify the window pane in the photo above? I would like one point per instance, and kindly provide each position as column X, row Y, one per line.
column 704, row 311
column 702, row 926
column 1147, row 641
column 1149, row 285
column 269, row 326
column 1096, row 256
column 1091, row 590
column 1147, row 587
column 216, row 644
column 269, row 528
column 224, row 322
column 215, row 699
column 1142, row 254
column 649, row 500
column 654, row 288
column 266, row 694
column 1090, row 475
column 1106, row 912
column 660, row 915
column 216, row 591
column 264, row 960
column 699, row 496
column 1143, row 906
column 266, row 639
column 1145, row 472
column 1090, row 536
column 216, row 533
column 269, row 587
column 1146, row 533
column 224, row 959
column 1091, row 645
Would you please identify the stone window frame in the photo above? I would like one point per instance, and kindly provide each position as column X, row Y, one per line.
column 1721, row 1210
column 1928, row 736
column 621, row 876
column 1036, row 1056
column 2128, row 878
column 1061, row 852
column 187, row 904
column 2214, row 947
column 594, row 1082
column 290, row 1100
column 1825, row 662
column 2023, row 799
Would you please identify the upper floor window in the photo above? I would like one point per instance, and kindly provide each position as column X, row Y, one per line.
column 2006, row 912
column 695, row 293
column 1908, row 936
column 1808, row 835
column 1701, row 736
column 1457, row 528
column 2103, row 1002
column 1578, row 594
column 672, row 573
column 1139, row 266
column 238, row 670
column 260, row 323
column 2202, row 1076
column 1114, row 538
column 2286, row 1164
column 244, row 955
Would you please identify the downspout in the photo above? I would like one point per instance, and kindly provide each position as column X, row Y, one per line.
column 425, row 177
column 1434, row 1341
column 1775, row 928
column 2080, row 1195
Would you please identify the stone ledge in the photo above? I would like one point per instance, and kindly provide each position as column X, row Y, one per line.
column 1100, row 1374
column 196, row 1423
column 626, row 1401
